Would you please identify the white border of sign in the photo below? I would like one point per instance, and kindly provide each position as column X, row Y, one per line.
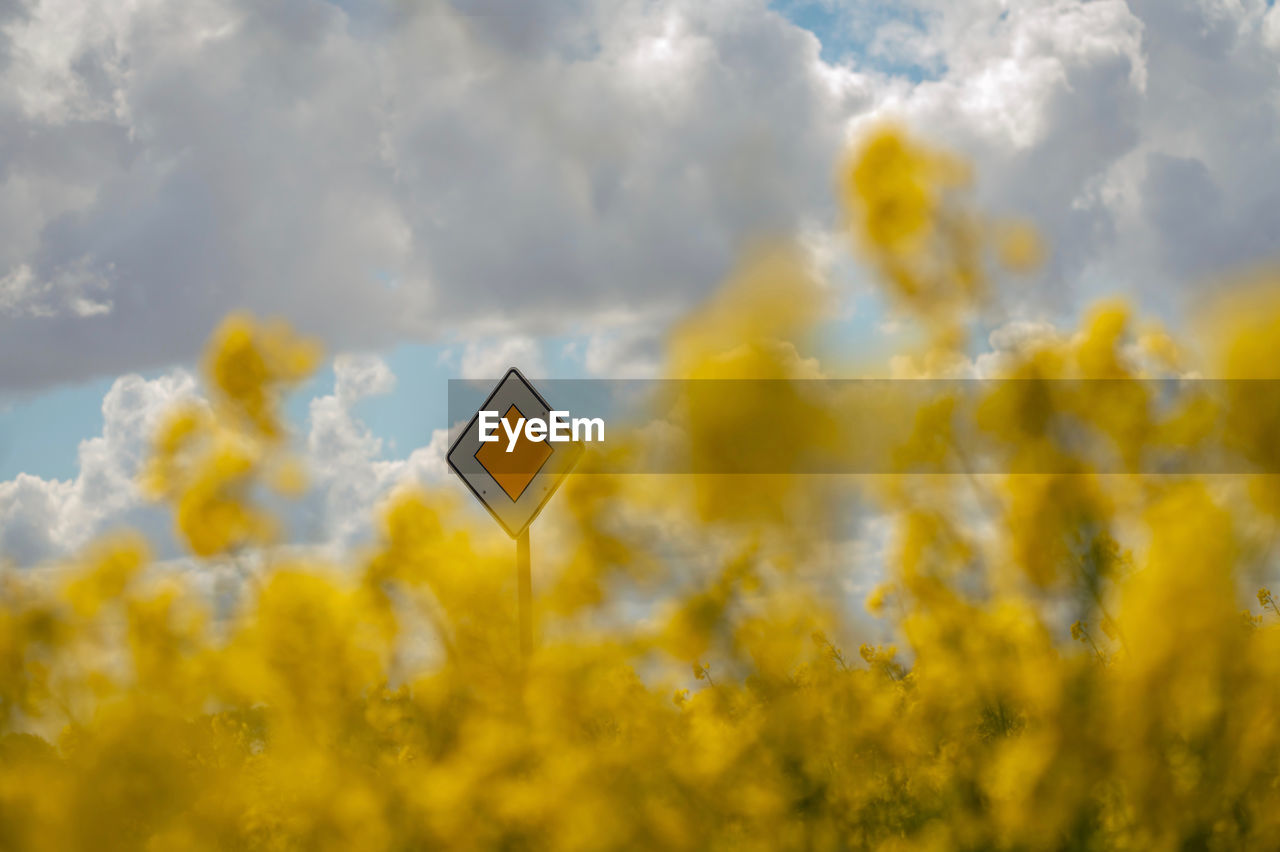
column 514, row 515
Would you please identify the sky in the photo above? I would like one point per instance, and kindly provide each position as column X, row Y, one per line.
column 439, row 190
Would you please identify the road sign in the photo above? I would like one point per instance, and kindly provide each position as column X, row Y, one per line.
column 513, row 485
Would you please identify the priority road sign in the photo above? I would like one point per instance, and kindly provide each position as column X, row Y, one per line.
column 512, row 484
column 515, row 478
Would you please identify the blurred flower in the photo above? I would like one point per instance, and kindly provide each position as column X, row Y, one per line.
column 382, row 703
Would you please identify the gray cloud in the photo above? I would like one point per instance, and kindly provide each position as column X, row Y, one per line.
column 386, row 172
column 378, row 171
column 1046, row 97
column 1138, row 134
column 1210, row 187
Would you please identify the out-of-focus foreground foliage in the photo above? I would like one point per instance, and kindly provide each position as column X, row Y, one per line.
column 1082, row 661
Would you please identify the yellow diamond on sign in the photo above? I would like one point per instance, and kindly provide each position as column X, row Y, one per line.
column 513, row 486
column 513, row 471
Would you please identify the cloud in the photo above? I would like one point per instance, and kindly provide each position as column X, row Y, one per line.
column 41, row 519
column 1206, row 169
column 1137, row 135
column 1011, row 344
column 48, row 519
column 345, row 459
column 377, row 172
column 1046, row 97
column 70, row 291
column 357, row 376
column 491, row 360
column 626, row 352
column 474, row 171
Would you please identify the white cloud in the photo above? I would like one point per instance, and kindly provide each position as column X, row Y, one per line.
column 1137, row 135
column 491, row 360
column 626, row 351
column 72, row 290
column 1271, row 29
column 42, row 520
column 1046, row 96
column 345, row 459
column 1010, row 344
column 357, row 376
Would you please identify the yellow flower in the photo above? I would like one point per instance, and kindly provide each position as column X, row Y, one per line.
column 263, row 697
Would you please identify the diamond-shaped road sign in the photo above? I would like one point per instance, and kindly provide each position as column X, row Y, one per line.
column 515, row 485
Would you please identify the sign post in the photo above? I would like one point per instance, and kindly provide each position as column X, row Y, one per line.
column 513, row 476
column 524, row 578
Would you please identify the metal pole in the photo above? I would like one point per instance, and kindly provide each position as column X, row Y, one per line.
column 525, row 583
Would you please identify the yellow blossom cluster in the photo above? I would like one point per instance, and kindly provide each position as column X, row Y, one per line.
column 1055, row 656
